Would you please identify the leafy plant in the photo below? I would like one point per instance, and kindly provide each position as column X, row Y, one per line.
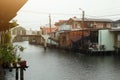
column 8, row 54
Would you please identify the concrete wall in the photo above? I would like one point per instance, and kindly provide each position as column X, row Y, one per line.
column 106, row 38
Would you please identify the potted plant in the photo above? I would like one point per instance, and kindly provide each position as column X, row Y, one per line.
column 7, row 49
column 8, row 55
column 23, row 63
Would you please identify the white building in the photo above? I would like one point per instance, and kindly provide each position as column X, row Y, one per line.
column 105, row 40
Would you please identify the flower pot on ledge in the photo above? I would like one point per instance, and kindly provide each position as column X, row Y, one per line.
column 23, row 63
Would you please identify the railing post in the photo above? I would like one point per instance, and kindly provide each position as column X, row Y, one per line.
column 17, row 74
column 21, row 74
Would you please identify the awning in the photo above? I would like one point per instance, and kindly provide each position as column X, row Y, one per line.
column 8, row 10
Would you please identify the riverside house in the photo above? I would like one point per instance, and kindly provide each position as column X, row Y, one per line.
column 108, row 40
column 72, row 35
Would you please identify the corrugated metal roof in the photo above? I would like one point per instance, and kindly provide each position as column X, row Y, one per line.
column 93, row 19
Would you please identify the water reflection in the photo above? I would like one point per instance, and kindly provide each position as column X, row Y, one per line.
column 60, row 65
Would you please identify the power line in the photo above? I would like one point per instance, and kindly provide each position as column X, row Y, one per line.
column 35, row 12
column 47, row 13
column 53, row 14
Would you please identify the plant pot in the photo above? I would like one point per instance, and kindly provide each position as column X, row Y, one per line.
column 23, row 63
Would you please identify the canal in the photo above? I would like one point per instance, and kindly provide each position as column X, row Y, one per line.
column 60, row 65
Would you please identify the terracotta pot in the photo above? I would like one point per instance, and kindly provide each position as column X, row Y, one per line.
column 23, row 63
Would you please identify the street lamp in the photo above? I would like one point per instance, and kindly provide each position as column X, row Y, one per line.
column 82, row 26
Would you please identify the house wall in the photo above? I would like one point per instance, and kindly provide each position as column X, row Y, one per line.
column 78, row 25
column 106, row 38
column 65, row 37
column 64, row 27
column 108, row 25
column 99, row 25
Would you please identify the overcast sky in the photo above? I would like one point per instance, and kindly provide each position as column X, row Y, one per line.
column 35, row 13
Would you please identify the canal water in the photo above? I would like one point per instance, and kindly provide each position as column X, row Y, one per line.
column 55, row 64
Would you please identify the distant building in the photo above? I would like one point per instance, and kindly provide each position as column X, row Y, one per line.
column 15, row 32
column 18, row 31
column 29, row 32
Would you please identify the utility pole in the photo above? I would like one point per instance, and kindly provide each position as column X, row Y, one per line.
column 50, row 22
column 83, row 14
column 83, row 19
column 83, row 29
column 50, row 27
